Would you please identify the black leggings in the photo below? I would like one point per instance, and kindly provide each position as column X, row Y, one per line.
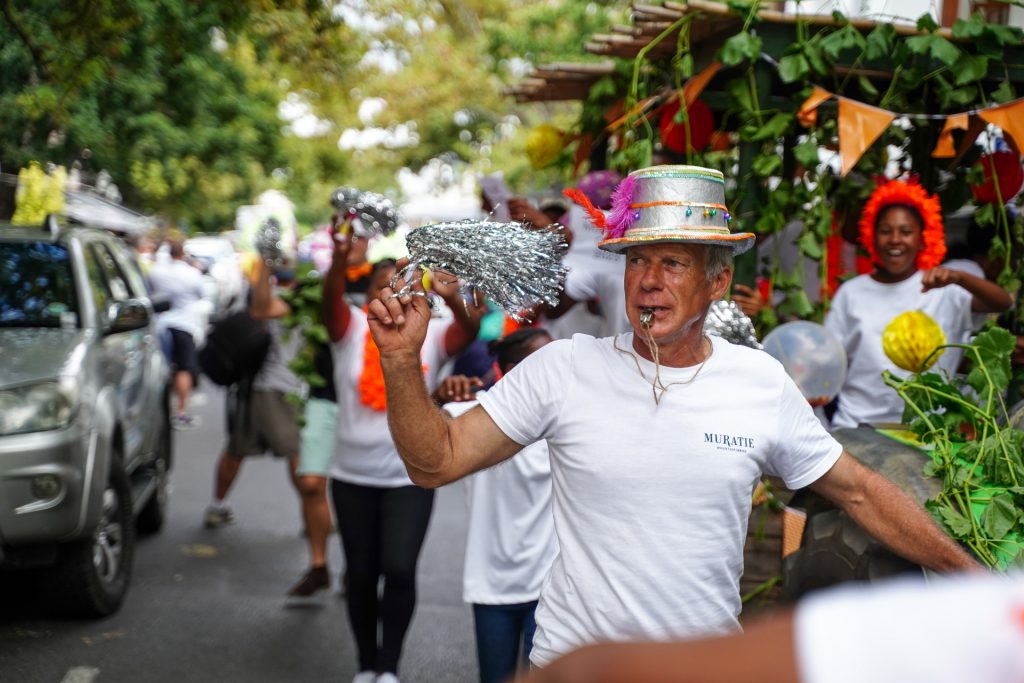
column 382, row 532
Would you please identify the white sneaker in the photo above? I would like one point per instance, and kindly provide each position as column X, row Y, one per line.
column 387, row 677
column 365, row 677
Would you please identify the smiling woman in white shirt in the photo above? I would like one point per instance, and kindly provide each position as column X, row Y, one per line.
column 902, row 229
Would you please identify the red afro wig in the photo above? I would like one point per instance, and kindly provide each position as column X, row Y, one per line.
column 911, row 194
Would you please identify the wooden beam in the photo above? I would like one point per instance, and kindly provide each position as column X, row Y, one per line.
column 710, row 7
column 601, row 68
column 656, row 11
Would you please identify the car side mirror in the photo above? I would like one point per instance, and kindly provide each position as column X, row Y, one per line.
column 126, row 316
column 161, row 305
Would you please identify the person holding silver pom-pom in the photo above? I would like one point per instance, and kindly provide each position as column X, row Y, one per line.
column 382, row 516
column 657, row 436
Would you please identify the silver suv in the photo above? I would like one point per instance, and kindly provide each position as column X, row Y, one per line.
column 85, row 445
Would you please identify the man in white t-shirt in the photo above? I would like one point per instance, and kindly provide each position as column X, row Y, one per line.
column 183, row 285
column 657, row 437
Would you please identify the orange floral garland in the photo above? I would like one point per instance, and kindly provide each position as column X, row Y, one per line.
column 909, row 193
column 372, row 392
column 353, row 273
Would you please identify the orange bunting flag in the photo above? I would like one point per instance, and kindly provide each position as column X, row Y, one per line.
column 1009, row 117
column 696, row 83
column 974, row 128
column 859, row 126
column 808, row 113
column 944, row 148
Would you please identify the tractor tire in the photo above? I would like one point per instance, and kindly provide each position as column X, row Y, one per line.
column 836, row 550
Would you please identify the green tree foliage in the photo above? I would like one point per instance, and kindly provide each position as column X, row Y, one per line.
column 454, row 60
column 168, row 96
column 179, row 101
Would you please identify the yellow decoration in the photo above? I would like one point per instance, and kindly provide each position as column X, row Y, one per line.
column 543, row 145
column 910, row 341
column 38, row 194
column 249, row 262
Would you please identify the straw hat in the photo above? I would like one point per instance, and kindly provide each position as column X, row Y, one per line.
column 667, row 204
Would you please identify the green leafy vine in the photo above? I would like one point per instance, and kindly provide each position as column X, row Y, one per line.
column 974, row 449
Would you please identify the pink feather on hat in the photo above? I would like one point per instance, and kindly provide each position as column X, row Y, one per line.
column 622, row 216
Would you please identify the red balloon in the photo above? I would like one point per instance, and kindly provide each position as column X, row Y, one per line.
column 1009, row 171
column 673, row 135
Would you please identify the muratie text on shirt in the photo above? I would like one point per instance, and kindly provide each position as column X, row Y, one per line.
column 728, row 440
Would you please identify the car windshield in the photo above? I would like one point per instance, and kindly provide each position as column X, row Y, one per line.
column 36, row 285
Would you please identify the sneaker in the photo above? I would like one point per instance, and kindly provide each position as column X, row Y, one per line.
column 365, row 677
column 218, row 517
column 315, row 580
column 387, row 677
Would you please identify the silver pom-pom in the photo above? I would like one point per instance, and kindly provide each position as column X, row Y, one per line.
column 515, row 267
column 726, row 320
column 268, row 240
column 374, row 213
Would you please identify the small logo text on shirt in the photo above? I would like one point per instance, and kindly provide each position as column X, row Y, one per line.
column 729, row 441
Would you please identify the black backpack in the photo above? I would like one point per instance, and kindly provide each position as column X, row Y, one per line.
column 235, row 349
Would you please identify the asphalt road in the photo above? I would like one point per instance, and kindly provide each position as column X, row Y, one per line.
column 209, row 605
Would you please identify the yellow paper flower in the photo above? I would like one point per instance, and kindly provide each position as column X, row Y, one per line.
column 543, row 145
column 910, row 340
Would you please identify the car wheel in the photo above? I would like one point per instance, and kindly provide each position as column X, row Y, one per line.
column 835, row 550
column 154, row 512
column 92, row 575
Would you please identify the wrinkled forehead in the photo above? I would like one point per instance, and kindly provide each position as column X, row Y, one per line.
column 664, row 249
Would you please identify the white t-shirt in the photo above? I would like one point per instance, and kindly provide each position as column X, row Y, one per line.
column 511, row 542
column 364, row 452
column 970, row 267
column 861, row 310
column 964, row 629
column 185, row 288
column 276, row 374
column 651, row 502
column 596, row 274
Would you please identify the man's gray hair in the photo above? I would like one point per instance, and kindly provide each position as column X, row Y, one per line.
column 716, row 259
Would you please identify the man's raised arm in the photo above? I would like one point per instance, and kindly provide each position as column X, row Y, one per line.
column 436, row 449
